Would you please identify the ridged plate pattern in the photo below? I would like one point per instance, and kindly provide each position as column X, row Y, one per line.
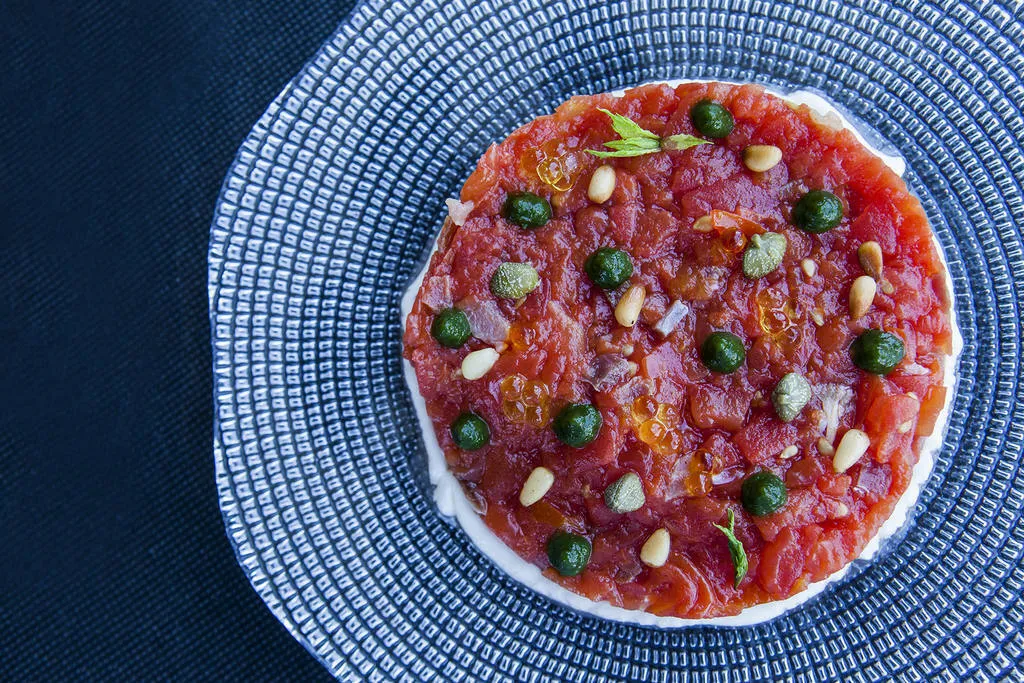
column 330, row 208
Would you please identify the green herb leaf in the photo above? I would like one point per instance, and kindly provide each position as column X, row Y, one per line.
column 739, row 555
column 627, row 151
column 627, row 128
column 635, row 141
column 682, row 141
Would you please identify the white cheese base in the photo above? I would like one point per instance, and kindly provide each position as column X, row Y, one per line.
column 452, row 502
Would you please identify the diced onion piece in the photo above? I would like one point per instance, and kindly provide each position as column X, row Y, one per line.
column 606, row 370
column 835, row 399
column 673, row 316
column 485, row 319
column 459, row 211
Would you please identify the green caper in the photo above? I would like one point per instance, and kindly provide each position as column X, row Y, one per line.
column 470, row 432
column 711, row 119
column 817, row 211
column 608, row 268
column 450, row 328
column 763, row 254
column 568, row 553
column 876, row 351
column 722, row 352
column 762, row 493
column 790, row 396
column 578, row 424
column 625, row 494
column 526, row 210
column 514, row 280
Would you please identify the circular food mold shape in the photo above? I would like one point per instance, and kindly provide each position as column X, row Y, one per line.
column 451, row 501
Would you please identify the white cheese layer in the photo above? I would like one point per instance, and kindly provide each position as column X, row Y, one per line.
column 452, row 502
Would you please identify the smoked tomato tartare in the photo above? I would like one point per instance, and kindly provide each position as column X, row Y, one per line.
column 681, row 348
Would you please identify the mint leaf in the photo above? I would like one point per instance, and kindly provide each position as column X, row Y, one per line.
column 627, row 128
column 635, row 141
column 682, row 141
column 739, row 555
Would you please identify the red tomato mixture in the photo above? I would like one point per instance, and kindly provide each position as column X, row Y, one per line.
column 686, row 217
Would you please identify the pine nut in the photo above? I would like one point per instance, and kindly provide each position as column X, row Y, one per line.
column 761, row 158
column 788, row 452
column 703, row 224
column 852, row 446
column 818, row 317
column 536, row 485
column 627, row 311
column 602, row 184
column 825, row 447
column 870, row 256
column 862, row 293
column 809, row 267
column 654, row 552
column 478, row 363
column 842, row 510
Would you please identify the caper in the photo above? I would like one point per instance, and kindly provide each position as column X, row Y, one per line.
column 450, row 328
column 568, row 553
column 790, row 396
column 711, row 119
column 625, row 494
column 514, row 280
column 817, row 211
column 470, row 432
column 764, row 254
column 608, row 268
column 762, row 493
column 578, row 424
column 722, row 352
column 526, row 210
column 877, row 351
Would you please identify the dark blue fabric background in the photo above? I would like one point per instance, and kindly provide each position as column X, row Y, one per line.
column 118, row 121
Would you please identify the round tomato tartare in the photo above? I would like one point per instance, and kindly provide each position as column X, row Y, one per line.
column 681, row 348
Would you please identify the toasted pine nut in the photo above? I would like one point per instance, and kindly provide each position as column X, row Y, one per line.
column 536, row 485
column 761, row 158
column 817, row 317
column 627, row 311
column 654, row 552
column 789, row 452
column 809, row 267
column 842, row 510
column 862, row 293
column 703, row 224
column 852, row 446
column 825, row 447
column 602, row 184
column 478, row 363
column 870, row 256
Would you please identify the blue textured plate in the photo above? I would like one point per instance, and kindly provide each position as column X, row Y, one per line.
column 331, row 207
